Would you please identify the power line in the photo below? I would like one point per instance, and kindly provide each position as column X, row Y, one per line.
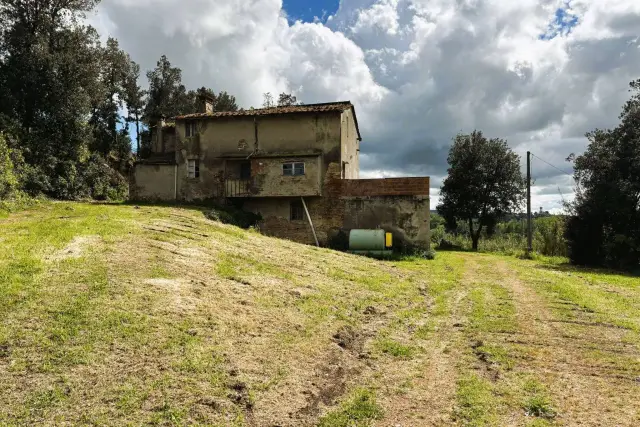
column 556, row 168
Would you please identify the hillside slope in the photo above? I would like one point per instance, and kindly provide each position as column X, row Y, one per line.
column 114, row 314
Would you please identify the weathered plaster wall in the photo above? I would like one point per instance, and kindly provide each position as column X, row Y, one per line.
column 401, row 207
column 349, row 146
column 164, row 142
column 169, row 140
column 153, row 182
column 407, row 217
column 221, row 141
column 268, row 179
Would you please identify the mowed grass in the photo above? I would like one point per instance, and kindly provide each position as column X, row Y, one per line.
column 124, row 315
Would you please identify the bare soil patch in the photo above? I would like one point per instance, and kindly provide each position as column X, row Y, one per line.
column 76, row 248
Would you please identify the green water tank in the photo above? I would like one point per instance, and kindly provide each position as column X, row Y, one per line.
column 369, row 240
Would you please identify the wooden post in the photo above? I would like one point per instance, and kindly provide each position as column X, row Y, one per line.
column 310, row 222
column 529, row 229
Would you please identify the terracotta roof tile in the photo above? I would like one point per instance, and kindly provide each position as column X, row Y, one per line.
column 308, row 108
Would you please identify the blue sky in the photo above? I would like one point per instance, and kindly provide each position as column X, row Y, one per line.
column 306, row 10
column 562, row 24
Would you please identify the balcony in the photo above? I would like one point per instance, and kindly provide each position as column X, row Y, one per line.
column 237, row 188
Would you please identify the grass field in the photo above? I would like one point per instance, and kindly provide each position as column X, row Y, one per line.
column 116, row 315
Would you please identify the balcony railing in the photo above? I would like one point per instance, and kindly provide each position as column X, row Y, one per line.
column 237, row 188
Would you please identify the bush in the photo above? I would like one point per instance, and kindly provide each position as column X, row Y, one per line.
column 548, row 238
column 93, row 179
column 426, row 254
column 8, row 179
column 510, row 238
column 102, row 181
column 437, row 234
column 232, row 215
column 339, row 241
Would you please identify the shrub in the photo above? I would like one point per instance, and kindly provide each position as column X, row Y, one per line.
column 437, row 234
column 425, row 254
column 102, row 182
column 229, row 214
column 548, row 238
column 8, row 178
column 339, row 241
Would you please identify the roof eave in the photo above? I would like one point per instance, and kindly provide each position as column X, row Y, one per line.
column 355, row 121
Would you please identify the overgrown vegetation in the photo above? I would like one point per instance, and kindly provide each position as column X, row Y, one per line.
column 604, row 228
column 229, row 214
column 507, row 237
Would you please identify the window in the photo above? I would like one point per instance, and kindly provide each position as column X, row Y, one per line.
column 190, row 129
column 293, row 169
column 296, row 211
column 193, row 168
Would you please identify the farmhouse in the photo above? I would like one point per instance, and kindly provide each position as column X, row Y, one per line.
column 282, row 162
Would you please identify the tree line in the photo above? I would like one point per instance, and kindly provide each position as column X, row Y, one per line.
column 68, row 103
column 485, row 186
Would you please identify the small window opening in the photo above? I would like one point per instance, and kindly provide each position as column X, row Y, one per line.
column 193, row 168
column 297, row 211
column 293, row 169
column 190, row 129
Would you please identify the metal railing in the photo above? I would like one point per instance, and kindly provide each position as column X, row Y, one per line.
column 237, row 188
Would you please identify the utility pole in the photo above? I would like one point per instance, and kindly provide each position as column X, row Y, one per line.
column 529, row 237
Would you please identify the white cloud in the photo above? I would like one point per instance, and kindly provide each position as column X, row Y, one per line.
column 381, row 16
column 418, row 71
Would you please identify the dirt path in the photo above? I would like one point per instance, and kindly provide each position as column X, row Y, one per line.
column 585, row 385
column 431, row 399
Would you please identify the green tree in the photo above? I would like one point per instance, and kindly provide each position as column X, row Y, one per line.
column 134, row 99
column 484, row 184
column 604, row 228
column 114, row 71
column 167, row 96
column 225, row 102
column 54, row 77
column 287, row 99
column 49, row 69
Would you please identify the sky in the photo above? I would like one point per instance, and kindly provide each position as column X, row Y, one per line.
column 538, row 73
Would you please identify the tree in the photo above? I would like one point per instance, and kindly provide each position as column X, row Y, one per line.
column 484, row 183
column 604, row 228
column 167, row 96
column 134, row 99
column 49, row 70
column 267, row 100
column 54, row 77
column 225, row 102
column 287, row 99
column 114, row 70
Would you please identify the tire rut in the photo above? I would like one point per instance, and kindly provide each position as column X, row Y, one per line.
column 565, row 364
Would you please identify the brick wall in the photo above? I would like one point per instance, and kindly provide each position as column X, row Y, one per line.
column 384, row 187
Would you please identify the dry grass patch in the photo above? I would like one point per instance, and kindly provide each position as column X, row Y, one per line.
column 158, row 315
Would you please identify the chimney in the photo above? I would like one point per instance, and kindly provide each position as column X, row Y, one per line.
column 205, row 103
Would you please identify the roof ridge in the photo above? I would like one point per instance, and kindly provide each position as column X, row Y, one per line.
column 317, row 104
column 325, row 107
